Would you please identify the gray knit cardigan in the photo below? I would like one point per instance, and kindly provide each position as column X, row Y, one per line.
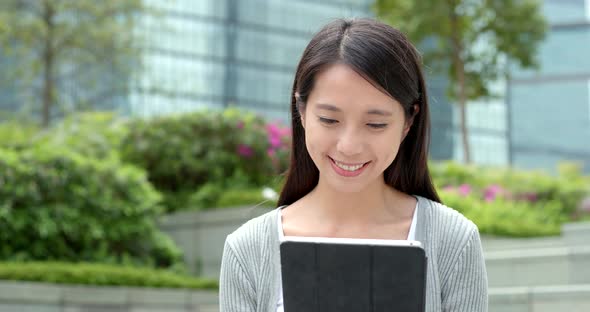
column 456, row 276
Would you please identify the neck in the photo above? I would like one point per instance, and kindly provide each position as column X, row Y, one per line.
column 374, row 204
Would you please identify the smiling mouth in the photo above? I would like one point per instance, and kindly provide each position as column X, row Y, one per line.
column 348, row 167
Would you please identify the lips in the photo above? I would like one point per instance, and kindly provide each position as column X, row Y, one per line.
column 348, row 169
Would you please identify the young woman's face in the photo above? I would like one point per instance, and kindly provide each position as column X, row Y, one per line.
column 352, row 130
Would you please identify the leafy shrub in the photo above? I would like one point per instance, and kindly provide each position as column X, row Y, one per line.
column 92, row 134
column 181, row 153
column 206, row 197
column 507, row 217
column 568, row 187
column 56, row 204
column 214, row 196
column 16, row 135
column 99, row 275
column 511, row 202
column 245, row 197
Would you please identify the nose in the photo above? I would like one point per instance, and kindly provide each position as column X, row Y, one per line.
column 350, row 143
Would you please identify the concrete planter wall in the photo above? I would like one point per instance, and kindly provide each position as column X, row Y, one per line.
column 201, row 235
column 570, row 298
column 42, row 297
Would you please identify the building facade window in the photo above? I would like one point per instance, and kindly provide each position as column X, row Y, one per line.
column 549, row 109
column 227, row 52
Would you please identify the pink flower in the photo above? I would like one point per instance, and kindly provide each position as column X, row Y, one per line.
column 240, row 125
column 275, row 142
column 492, row 191
column 273, row 129
column 276, row 134
column 245, row 150
column 531, row 197
column 488, row 197
column 464, row 189
column 271, row 152
column 527, row 196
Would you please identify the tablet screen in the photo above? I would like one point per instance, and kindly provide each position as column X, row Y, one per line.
column 336, row 274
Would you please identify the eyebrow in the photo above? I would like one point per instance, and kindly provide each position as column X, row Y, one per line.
column 333, row 108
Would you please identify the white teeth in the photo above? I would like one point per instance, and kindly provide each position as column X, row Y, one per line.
column 348, row 168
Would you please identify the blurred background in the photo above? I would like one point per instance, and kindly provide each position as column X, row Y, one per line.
column 136, row 134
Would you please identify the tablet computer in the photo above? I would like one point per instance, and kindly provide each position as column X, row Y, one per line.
column 345, row 275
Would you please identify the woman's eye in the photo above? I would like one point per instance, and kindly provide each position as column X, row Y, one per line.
column 377, row 126
column 328, row 121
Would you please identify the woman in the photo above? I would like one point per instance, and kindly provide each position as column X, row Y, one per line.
column 358, row 169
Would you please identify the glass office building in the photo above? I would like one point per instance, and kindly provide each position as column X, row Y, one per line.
column 219, row 53
column 549, row 109
column 543, row 117
column 487, row 127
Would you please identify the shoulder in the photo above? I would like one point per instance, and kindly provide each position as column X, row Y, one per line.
column 253, row 235
column 447, row 229
column 454, row 243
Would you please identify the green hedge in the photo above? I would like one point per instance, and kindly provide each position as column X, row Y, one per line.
column 567, row 187
column 511, row 202
column 56, row 204
column 212, row 195
column 15, row 135
column 508, row 218
column 93, row 134
column 97, row 134
column 99, row 275
column 181, row 153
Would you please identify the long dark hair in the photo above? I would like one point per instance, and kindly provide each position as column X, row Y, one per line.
column 386, row 58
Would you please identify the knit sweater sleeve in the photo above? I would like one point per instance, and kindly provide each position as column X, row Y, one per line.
column 236, row 289
column 467, row 286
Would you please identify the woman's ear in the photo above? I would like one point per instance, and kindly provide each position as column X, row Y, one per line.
column 302, row 118
column 300, row 109
column 415, row 111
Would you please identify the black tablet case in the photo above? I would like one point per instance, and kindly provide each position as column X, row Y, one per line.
column 322, row 277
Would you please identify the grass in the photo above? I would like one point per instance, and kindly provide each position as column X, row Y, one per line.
column 100, row 275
